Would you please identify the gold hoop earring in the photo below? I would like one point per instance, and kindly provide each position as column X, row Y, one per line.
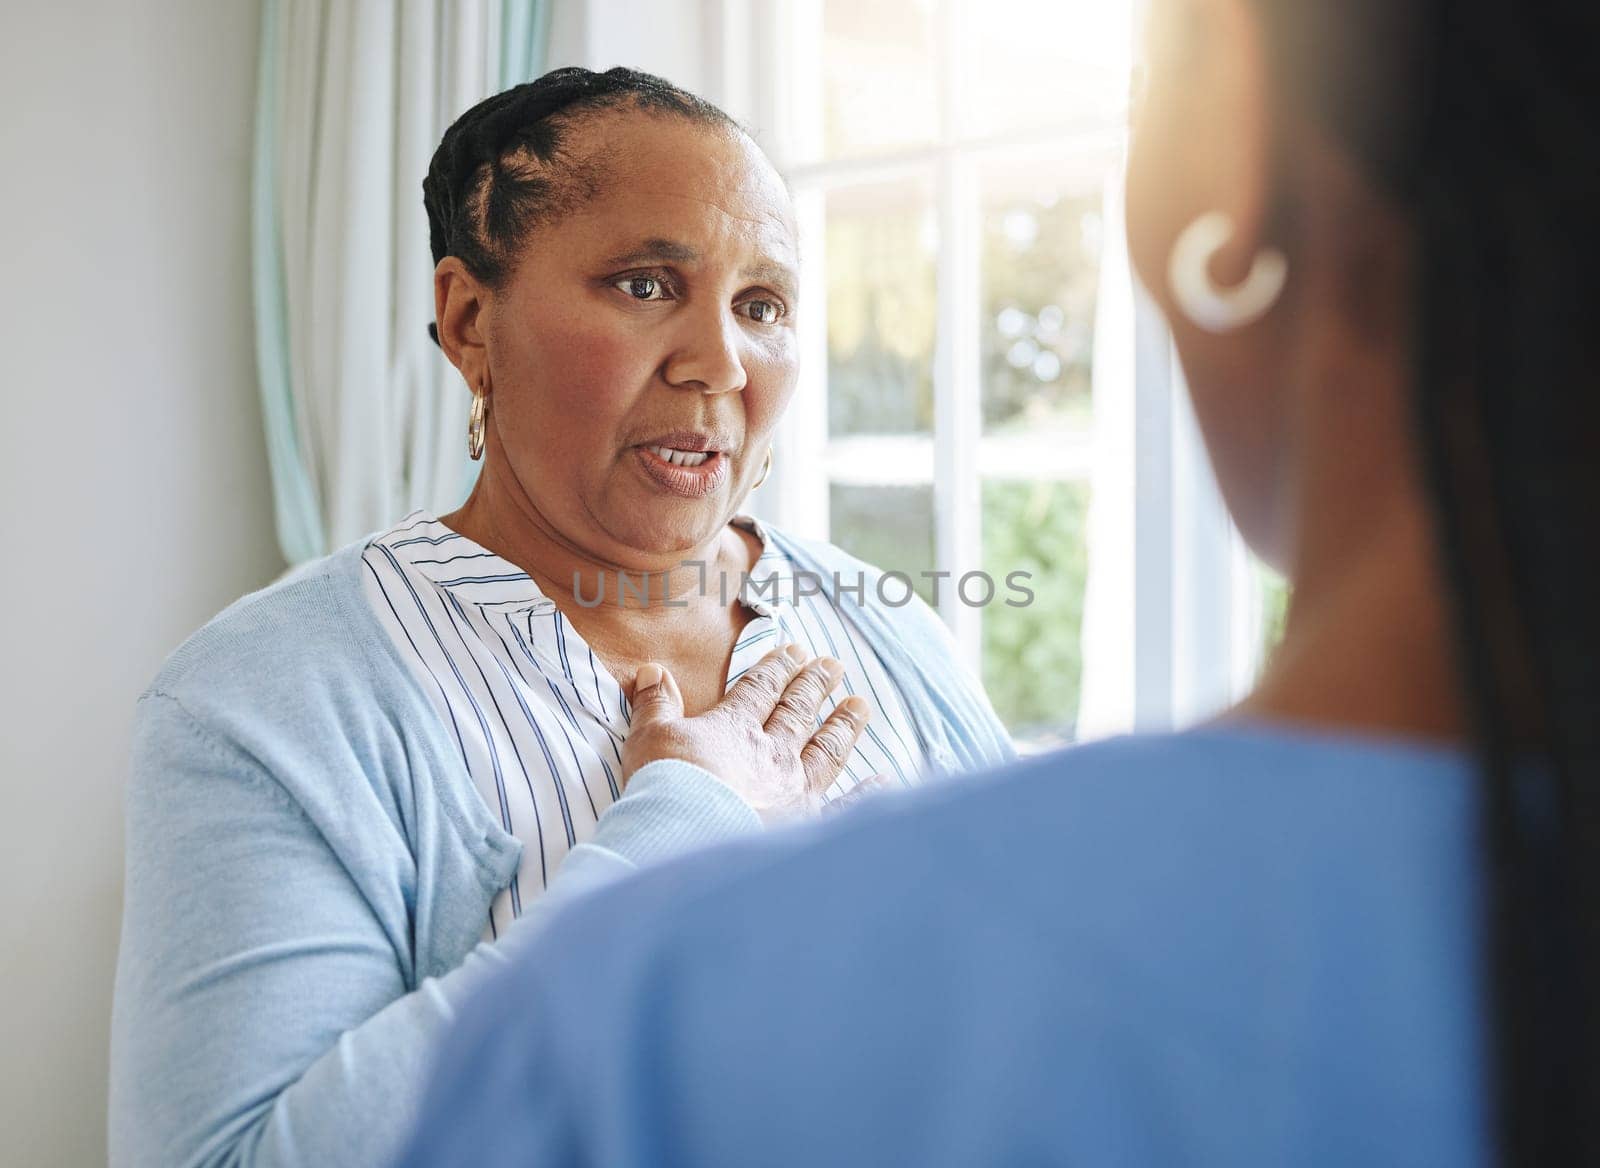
column 476, row 425
column 766, row 469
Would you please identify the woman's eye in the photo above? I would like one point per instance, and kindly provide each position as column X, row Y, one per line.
column 763, row 311
column 643, row 287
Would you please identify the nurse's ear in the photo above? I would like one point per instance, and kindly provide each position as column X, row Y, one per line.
column 1208, row 166
column 460, row 301
column 1205, row 142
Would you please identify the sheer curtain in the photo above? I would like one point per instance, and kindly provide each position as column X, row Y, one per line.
column 365, row 419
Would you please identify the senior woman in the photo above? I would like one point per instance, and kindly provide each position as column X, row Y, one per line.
column 350, row 791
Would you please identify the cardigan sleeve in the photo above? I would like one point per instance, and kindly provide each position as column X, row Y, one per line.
column 262, row 1012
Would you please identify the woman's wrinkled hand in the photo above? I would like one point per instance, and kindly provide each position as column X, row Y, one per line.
column 762, row 739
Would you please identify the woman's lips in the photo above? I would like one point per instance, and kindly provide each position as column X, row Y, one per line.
column 687, row 482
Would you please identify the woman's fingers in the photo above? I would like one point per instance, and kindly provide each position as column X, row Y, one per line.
column 655, row 720
column 782, row 694
column 754, row 694
column 765, row 739
column 795, row 715
column 823, row 757
column 656, row 697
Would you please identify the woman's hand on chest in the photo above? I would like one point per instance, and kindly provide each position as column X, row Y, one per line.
column 762, row 739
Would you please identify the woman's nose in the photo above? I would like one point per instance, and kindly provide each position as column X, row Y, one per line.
column 708, row 357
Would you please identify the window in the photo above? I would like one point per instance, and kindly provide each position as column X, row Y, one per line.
column 982, row 390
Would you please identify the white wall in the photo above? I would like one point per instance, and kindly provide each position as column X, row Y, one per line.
column 135, row 493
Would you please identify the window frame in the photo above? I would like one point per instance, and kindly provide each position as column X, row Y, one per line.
column 1191, row 621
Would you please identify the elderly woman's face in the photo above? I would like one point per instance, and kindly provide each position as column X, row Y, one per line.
column 643, row 350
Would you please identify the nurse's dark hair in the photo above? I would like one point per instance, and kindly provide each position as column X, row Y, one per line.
column 1482, row 124
column 508, row 164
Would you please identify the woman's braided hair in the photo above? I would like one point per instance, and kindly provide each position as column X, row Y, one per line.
column 505, row 166
column 1482, row 123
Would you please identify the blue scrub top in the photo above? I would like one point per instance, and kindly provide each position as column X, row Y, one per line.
column 1231, row 946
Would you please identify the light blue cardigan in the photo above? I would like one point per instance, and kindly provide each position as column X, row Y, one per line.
column 309, row 869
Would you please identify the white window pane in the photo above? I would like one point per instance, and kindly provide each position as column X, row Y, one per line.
column 882, row 254
column 890, row 527
column 881, row 459
column 1043, row 234
column 1035, row 63
column 879, row 76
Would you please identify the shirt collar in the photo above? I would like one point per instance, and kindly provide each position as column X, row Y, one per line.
column 478, row 576
column 772, row 570
column 458, row 565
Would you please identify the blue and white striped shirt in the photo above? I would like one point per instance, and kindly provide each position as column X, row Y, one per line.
column 540, row 721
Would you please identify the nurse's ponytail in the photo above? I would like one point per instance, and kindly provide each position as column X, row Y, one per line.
column 1482, row 122
column 1507, row 205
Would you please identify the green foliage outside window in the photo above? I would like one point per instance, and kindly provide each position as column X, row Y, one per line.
column 1032, row 656
column 1032, row 662
column 1274, row 609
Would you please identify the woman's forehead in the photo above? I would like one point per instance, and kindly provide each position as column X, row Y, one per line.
column 685, row 192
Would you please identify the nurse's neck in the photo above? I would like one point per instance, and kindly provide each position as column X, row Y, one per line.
column 1369, row 643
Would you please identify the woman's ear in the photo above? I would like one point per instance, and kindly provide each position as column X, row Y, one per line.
column 459, row 299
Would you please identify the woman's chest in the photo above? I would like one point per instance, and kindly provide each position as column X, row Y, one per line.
column 539, row 715
column 700, row 654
